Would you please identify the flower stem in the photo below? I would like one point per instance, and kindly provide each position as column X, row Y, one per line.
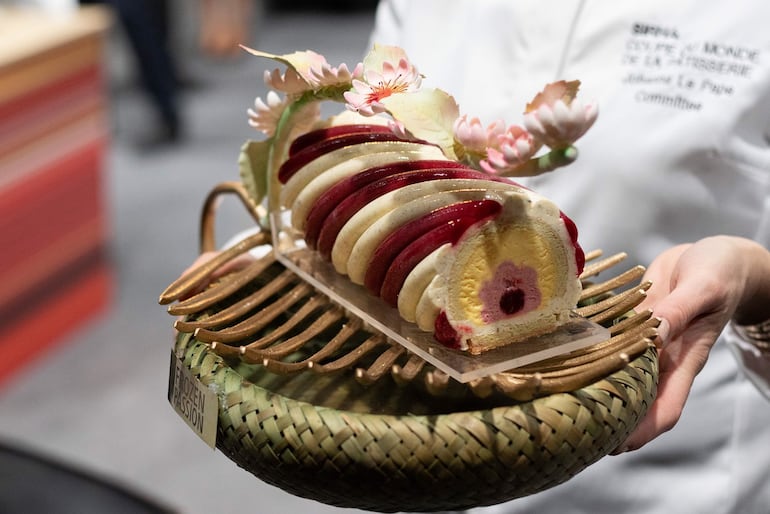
column 278, row 151
column 556, row 158
column 281, row 138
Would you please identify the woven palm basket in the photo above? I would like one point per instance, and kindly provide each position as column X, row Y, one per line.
column 313, row 402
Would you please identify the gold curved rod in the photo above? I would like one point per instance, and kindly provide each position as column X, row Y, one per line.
column 222, row 289
column 210, row 204
column 201, row 274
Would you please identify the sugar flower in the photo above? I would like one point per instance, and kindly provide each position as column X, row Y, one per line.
column 380, row 80
column 289, row 82
column 556, row 117
column 398, row 128
column 306, row 71
column 474, row 137
column 265, row 114
column 326, row 75
column 512, row 149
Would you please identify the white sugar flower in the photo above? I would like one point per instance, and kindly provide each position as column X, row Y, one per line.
column 265, row 115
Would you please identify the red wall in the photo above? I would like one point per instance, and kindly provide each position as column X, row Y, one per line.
column 55, row 273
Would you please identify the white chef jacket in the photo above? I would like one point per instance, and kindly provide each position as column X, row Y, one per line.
column 680, row 151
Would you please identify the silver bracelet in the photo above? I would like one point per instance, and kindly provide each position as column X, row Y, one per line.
column 758, row 335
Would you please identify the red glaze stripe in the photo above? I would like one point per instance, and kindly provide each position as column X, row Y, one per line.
column 421, row 247
column 316, row 136
column 444, row 332
column 400, row 238
column 580, row 256
column 301, row 158
column 333, row 196
column 355, row 202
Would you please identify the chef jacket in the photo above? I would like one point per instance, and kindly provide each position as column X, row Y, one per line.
column 680, row 151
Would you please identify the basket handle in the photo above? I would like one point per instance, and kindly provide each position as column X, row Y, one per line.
column 212, row 201
column 202, row 273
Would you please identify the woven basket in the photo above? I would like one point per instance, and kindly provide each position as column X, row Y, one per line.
column 338, row 429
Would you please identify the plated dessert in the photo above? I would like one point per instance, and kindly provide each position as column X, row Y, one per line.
column 417, row 203
column 415, row 206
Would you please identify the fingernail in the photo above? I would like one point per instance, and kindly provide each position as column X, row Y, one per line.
column 664, row 330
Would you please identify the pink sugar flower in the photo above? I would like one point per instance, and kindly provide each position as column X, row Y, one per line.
column 474, row 137
column 306, row 71
column 326, row 75
column 556, row 117
column 512, row 149
column 377, row 84
column 399, row 129
column 289, row 82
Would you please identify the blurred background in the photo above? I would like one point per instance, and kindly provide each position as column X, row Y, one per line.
column 116, row 119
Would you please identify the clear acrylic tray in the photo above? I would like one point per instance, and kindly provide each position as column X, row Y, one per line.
column 290, row 249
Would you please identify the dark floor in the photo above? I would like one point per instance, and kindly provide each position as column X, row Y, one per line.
column 99, row 401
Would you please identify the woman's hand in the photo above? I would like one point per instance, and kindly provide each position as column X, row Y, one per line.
column 696, row 290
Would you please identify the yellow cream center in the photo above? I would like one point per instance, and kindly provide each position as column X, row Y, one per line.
column 482, row 256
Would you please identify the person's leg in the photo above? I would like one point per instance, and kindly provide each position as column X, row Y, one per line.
column 146, row 24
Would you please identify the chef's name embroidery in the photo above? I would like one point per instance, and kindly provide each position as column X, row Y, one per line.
column 670, row 71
